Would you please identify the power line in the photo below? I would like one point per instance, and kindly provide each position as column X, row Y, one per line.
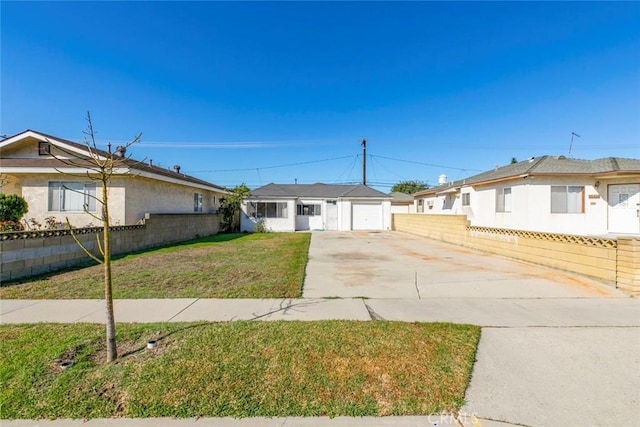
column 426, row 164
column 273, row 167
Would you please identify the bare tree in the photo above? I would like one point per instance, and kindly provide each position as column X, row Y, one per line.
column 99, row 167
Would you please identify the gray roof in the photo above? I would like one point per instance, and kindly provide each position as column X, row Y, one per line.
column 400, row 198
column 318, row 190
column 548, row 165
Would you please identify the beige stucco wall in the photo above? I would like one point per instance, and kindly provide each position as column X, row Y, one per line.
column 130, row 198
column 145, row 195
column 35, row 190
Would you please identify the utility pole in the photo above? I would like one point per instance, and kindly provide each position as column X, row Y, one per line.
column 364, row 161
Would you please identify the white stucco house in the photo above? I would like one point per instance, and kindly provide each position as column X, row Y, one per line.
column 548, row 194
column 293, row 207
column 31, row 167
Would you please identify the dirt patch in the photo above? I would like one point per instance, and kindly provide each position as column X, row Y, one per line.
column 576, row 282
column 352, row 277
column 358, row 256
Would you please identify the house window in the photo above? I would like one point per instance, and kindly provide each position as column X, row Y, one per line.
column 567, row 199
column 309, row 210
column 197, row 202
column 267, row 210
column 503, row 200
column 466, row 199
column 72, row 196
column 420, row 205
column 44, row 148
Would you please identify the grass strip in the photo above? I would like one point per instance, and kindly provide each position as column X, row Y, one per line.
column 237, row 369
column 267, row 265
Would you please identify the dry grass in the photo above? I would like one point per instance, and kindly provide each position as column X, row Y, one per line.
column 223, row 266
column 237, row 369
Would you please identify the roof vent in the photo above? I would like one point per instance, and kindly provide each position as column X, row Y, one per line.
column 176, row 168
column 531, row 159
column 561, row 157
column 150, row 162
column 120, row 151
column 495, row 167
column 442, row 179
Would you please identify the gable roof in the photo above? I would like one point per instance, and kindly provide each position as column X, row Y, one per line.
column 546, row 166
column 142, row 168
column 318, row 190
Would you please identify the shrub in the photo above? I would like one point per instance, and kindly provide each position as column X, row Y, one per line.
column 12, row 207
column 260, row 227
column 11, row 226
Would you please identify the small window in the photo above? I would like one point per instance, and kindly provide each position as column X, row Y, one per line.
column 44, row 148
column 309, row 210
column 466, row 199
column 197, row 202
column 503, row 200
column 72, row 196
column 567, row 199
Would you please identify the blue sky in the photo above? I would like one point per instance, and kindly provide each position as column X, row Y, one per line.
column 228, row 90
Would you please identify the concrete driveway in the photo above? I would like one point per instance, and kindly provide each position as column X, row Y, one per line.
column 399, row 265
column 556, row 348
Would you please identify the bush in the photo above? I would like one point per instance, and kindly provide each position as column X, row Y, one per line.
column 11, row 226
column 12, row 207
column 260, row 227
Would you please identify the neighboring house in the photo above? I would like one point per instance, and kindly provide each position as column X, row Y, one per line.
column 55, row 189
column 549, row 194
column 292, row 207
column 402, row 203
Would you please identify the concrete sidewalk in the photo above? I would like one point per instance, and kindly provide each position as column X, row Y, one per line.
column 486, row 312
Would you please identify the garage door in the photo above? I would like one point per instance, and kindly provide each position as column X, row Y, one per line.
column 366, row 216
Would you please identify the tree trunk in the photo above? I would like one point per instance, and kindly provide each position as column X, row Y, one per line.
column 112, row 351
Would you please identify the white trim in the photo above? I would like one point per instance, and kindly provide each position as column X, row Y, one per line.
column 69, row 170
column 54, row 141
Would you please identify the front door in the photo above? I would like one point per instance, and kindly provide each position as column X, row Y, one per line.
column 624, row 208
column 331, row 212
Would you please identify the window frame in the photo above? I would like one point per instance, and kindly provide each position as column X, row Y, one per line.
column 501, row 200
column 62, row 187
column 466, row 199
column 314, row 209
column 567, row 206
column 198, row 202
column 264, row 210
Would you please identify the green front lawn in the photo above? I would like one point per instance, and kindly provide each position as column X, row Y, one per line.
column 267, row 265
column 237, row 369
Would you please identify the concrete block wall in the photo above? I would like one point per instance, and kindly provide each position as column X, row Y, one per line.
column 628, row 265
column 26, row 254
column 610, row 260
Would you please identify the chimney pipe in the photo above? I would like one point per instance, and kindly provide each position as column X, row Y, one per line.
column 364, row 161
column 176, row 168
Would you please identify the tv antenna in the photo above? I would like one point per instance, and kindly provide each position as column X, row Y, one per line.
column 571, row 143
